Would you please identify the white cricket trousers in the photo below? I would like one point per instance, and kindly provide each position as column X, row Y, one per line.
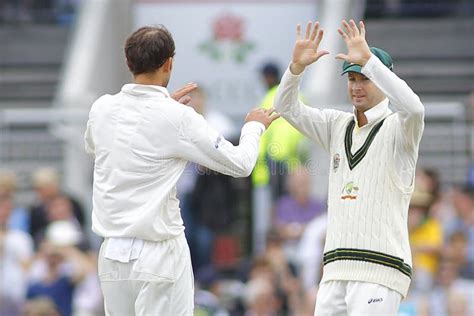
column 356, row 299
column 158, row 283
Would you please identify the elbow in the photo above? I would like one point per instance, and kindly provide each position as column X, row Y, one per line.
column 247, row 172
column 243, row 172
column 416, row 109
column 419, row 109
column 245, row 168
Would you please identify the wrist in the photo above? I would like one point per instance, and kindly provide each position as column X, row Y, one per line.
column 365, row 59
column 296, row 68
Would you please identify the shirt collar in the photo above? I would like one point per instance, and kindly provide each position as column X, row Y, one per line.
column 145, row 90
column 375, row 113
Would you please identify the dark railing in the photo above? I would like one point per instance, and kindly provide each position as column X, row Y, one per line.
column 419, row 8
column 38, row 11
column 63, row 11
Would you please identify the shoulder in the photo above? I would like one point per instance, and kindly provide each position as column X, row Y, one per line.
column 181, row 112
column 182, row 117
column 339, row 118
column 392, row 122
column 100, row 103
column 338, row 115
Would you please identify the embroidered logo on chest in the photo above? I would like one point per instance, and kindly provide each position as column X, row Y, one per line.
column 350, row 191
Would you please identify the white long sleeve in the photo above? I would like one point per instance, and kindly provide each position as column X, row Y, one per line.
column 202, row 144
column 406, row 103
column 141, row 140
column 312, row 122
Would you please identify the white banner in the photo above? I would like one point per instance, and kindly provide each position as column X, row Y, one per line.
column 223, row 44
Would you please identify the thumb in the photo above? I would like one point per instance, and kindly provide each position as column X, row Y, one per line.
column 341, row 56
column 322, row 53
column 185, row 100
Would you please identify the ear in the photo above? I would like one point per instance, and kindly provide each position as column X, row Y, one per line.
column 168, row 65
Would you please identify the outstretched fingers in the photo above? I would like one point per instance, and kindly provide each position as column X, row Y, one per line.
column 181, row 92
column 315, row 31
column 186, row 88
column 298, row 31
column 319, row 38
column 269, row 110
column 347, row 28
column 354, row 28
column 185, row 100
column 272, row 115
column 362, row 28
column 308, row 29
column 275, row 116
column 343, row 34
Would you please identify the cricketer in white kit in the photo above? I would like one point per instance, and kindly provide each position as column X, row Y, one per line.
column 141, row 139
column 373, row 150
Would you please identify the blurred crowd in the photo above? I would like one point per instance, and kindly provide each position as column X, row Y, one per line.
column 283, row 279
column 48, row 267
column 37, row 11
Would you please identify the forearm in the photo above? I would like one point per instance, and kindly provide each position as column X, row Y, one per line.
column 216, row 153
column 287, row 101
column 401, row 96
column 312, row 122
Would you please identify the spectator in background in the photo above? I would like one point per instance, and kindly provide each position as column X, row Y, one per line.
column 207, row 203
column 87, row 296
column 310, row 253
column 213, row 205
column 208, row 293
column 216, row 119
column 16, row 251
column 457, row 249
column 41, row 307
column 296, row 209
column 274, row 266
column 451, row 295
column 463, row 203
column 19, row 218
column 426, row 239
column 47, row 187
column 281, row 145
column 427, row 179
column 60, row 266
column 260, row 298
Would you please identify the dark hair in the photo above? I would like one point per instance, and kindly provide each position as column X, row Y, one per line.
column 148, row 48
column 270, row 69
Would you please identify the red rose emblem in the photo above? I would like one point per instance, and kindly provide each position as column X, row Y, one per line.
column 228, row 27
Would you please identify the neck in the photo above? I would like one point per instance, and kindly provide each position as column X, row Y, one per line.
column 361, row 118
column 149, row 79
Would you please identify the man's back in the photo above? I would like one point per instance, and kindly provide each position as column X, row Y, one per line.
column 141, row 139
column 134, row 133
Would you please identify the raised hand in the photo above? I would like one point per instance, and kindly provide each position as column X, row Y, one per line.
column 181, row 95
column 264, row 116
column 306, row 50
column 358, row 51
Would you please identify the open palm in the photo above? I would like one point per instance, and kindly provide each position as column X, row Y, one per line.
column 306, row 48
column 358, row 51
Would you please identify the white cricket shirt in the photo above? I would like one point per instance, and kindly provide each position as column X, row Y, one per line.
column 370, row 178
column 141, row 140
